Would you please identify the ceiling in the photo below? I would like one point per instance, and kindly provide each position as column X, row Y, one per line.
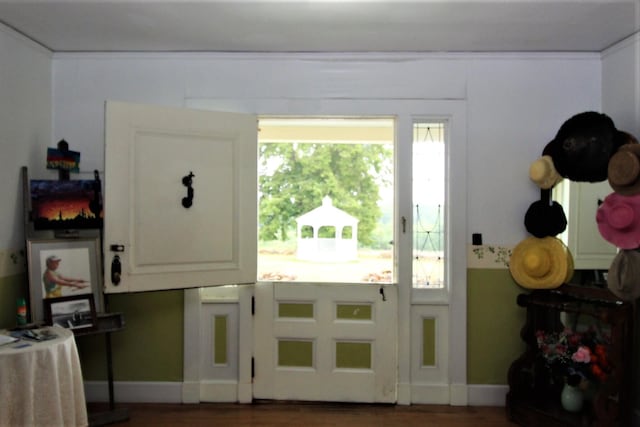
column 323, row 25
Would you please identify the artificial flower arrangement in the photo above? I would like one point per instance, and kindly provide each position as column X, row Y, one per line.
column 581, row 357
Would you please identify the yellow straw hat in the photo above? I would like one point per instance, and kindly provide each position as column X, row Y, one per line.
column 541, row 263
column 543, row 172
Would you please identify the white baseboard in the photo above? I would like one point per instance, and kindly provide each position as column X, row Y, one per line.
column 430, row 394
column 440, row 394
column 459, row 395
column 404, row 394
column 191, row 392
column 173, row 392
column 133, row 391
column 487, row 395
column 219, row 391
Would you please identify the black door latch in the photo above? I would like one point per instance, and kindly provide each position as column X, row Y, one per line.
column 187, row 181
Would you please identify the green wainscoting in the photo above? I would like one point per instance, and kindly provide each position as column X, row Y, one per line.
column 150, row 346
column 494, row 322
column 11, row 288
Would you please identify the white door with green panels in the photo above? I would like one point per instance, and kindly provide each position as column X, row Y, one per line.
column 325, row 342
column 333, row 342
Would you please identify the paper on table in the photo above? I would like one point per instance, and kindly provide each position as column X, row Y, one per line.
column 7, row 339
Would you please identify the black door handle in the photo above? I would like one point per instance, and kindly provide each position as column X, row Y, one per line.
column 116, row 270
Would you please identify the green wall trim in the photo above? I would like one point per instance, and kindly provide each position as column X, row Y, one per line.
column 354, row 311
column 353, row 355
column 428, row 341
column 295, row 309
column 220, row 340
column 494, row 322
column 296, row 353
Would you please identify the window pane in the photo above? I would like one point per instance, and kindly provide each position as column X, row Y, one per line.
column 428, row 204
column 326, row 199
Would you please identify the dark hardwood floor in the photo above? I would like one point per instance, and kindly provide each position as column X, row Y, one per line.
column 289, row 414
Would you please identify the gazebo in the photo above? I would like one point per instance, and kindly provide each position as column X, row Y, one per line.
column 343, row 246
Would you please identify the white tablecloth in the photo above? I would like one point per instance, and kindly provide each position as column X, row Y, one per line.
column 41, row 385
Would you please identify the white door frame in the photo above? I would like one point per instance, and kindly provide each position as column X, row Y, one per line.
column 455, row 296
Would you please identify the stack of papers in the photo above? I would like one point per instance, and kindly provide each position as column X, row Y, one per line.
column 7, row 339
column 41, row 334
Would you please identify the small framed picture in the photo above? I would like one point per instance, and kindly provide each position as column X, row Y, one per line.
column 74, row 312
column 63, row 268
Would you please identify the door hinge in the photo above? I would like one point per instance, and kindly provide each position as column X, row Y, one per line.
column 253, row 306
column 253, row 367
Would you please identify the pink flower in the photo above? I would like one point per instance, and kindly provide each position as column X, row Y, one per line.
column 582, row 355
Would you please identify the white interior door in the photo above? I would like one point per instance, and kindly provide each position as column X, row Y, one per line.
column 334, row 342
column 325, row 342
column 180, row 198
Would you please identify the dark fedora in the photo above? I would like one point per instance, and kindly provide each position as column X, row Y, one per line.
column 583, row 146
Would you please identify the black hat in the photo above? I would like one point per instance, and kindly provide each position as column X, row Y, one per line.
column 583, row 146
column 545, row 218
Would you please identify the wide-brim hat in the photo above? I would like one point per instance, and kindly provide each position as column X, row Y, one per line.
column 618, row 219
column 624, row 170
column 544, row 218
column 623, row 276
column 541, row 263
column 583, row 146
column 543, row 173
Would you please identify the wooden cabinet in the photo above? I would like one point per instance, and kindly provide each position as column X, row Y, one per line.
column 534, row 396
column 580, row 201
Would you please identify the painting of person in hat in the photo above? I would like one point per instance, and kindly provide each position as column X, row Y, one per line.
column 54, row 282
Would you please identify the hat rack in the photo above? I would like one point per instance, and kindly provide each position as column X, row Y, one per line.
column 587, row 148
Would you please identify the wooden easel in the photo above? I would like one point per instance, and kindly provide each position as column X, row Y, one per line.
column 106, row 322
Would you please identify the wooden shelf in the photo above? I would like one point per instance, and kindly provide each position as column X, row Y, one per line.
column 107, row 322
column 534, row 396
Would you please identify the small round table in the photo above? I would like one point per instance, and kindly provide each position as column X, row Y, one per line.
column 41, row 383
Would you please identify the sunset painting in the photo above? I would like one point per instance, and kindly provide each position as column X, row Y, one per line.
column 66, row 205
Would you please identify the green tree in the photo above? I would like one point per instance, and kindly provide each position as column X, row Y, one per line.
column 295, row 177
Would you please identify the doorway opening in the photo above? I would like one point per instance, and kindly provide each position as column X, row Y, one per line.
column 326, row 199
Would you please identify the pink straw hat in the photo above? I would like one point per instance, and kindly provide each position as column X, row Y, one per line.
column 618, row 219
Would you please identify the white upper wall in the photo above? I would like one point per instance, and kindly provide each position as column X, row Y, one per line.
column 25, row 125
column 516, row 103
column 621, row 84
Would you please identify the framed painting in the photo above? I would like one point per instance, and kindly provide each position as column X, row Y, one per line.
column 66, row 205
column 73, row 312
column 63, row 268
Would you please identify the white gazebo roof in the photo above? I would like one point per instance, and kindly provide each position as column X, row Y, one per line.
column 327, row 214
